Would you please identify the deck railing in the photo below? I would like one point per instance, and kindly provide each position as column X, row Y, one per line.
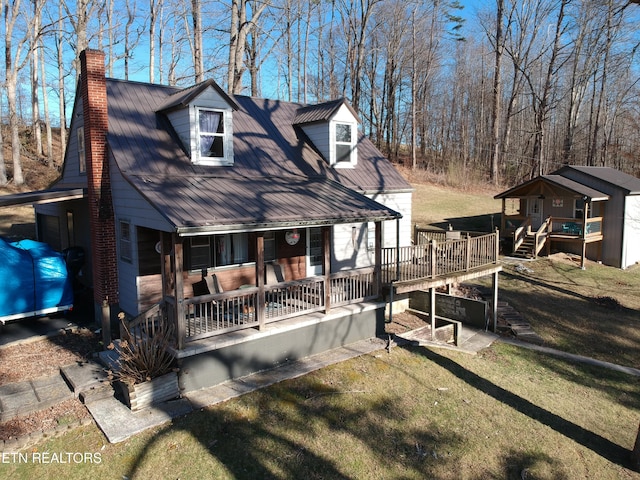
column 576, row 226
column 437, row 259
column 215, row 314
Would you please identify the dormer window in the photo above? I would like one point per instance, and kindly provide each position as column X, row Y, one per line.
column 211, row 133
column 344, row 135
column 214, row 137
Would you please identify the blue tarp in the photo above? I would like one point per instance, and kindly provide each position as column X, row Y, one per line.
column 34, row 280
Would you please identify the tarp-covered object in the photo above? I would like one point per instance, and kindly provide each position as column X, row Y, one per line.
column 34, row 280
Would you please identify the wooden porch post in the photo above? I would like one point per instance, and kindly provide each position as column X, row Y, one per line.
column 503, row 221
column 377, row 268
column 326, row 267
column 178, row 282
column 259, row 308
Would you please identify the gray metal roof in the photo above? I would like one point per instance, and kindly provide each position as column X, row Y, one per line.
column 273, row 159
column 182, row 98
column 321, row 112
column 619, row 179
column 197, row 204
column 42, row 196
column 524, row 189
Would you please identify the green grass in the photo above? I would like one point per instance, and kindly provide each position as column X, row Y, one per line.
column 412, row 413
column 416, row 413
column 464, row 209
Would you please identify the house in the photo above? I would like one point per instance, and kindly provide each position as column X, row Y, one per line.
column 260, row 231
column 590, row 211
column 232, row 210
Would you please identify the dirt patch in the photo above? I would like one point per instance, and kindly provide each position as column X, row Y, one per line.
column 404, row 322
column 42, row 358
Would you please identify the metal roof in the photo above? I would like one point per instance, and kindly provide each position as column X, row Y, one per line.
column 321, row 112
column 42, row 196
column 205, row 204
column 182, row 98
column 269, row 154
column 619, row 179
column 527, row 188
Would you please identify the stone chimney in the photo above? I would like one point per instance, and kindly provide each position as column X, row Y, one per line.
column 93, row 89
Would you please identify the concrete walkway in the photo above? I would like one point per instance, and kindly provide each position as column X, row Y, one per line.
column 89, row 383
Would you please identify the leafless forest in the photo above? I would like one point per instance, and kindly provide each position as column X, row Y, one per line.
column 498, row 91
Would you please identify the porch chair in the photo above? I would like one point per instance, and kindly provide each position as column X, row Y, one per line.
column 273, row 273
column 213, row 284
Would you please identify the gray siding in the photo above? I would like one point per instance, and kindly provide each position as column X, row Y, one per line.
column 71, row 171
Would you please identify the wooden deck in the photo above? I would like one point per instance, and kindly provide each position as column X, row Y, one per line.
column 405, row 269
column 438, row 263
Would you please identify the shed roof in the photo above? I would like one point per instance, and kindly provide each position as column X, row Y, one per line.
column 619, row 179
column 537, row 185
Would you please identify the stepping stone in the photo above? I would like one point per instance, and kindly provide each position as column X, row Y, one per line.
column 26, row 397
column 84, row 376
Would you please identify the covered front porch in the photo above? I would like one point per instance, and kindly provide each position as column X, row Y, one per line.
column 553, row 210
column 210, row 316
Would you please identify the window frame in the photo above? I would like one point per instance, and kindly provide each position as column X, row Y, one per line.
column 226, row 158
column 82, row 150
column 125, row 241
column 338, row 161
column 213, row 253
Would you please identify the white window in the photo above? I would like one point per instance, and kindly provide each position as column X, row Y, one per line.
column 82, row 157
column 214, row 139
column 344, row 144
column 125, row 241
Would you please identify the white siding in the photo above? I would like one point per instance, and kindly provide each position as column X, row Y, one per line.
column 182, row 125
column 400, row 202
column 128, row 273
column 351, row 247
column 127, row 202
column 631, row 239
column 130, row 206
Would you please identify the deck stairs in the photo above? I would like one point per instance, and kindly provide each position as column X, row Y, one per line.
column 526, row 248
column 510, row 320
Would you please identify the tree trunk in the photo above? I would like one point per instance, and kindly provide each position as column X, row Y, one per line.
column 497, row 96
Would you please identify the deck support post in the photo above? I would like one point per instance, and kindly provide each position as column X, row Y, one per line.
column 494, row 302
column 432, row 312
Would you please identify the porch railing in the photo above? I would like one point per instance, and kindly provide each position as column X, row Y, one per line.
column 521, row 233
column 576, row 226
column 215, row 314
column 437, row 259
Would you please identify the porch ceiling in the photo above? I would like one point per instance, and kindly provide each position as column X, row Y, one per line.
column 203, row 204
column 553, row 186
